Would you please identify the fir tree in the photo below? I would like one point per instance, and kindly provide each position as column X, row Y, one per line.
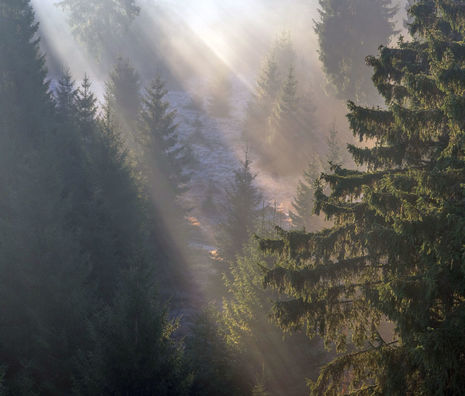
column 86, row 104
column 124, row 98
column 240, row 213
column 349, row 31
column 159, row 133
column 395, row 251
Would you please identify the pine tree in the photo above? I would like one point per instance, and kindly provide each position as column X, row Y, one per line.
column 165, row 151
column 394, row 253
column 348, row 32
column 240, row 213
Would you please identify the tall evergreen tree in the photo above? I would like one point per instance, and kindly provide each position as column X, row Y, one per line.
column 124, row 98
column 395, row 252
column 163, row 149
column 240, row 213
column 86, row 104
column 41, row 264
column 350, row 30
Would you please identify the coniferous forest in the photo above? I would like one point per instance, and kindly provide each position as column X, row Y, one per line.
column 232, row 198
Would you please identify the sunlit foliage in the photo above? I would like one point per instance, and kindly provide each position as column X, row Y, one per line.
column 395, row 252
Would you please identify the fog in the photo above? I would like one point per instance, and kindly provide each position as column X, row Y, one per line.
column 212, row 54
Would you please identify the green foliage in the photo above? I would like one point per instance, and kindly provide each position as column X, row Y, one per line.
column 159, row 137
column 133, row 349
column 395, row 253
column 241, row 212
column 245, row 314
column 350, row 30
column 98, row 22
column 72, row 221
column 217, row 367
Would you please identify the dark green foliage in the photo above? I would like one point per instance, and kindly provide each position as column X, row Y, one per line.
column 159, row 137
column 133, row 350
column 350, row 30
column 385, row 284
column 99, row 22
column 217, row 367
column 72, row 221
column 245, row 314
column 241, row 212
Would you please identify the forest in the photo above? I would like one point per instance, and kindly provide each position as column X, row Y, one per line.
column 232, row 197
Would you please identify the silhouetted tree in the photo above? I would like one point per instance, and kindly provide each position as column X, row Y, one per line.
column 348, row 31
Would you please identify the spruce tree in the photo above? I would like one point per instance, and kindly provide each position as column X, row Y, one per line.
column 241, row 211
column 42, row 267
column 394, row 253
column 348, row 31
column 86, row 104
column 123, row 96
column 159, row 137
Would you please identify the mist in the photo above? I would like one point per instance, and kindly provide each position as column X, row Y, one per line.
column 190, row 136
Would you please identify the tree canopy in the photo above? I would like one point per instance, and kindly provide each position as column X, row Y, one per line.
column 385, row 283
column 348, row 31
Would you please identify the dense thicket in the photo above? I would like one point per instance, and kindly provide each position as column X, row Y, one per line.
column 76, row 261
column 349, row 31
column 385, row 284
